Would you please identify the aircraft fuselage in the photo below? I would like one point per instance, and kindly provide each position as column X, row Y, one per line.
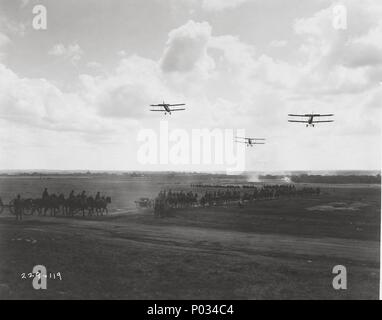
column 165, row 106
column 310, row 121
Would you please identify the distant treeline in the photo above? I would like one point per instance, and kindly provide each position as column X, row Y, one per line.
column 304, row 178
column 136, row 174
column 272, row 177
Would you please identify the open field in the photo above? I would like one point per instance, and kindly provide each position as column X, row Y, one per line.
column 271, row 249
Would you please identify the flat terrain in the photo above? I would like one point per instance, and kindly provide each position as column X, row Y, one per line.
column 274, row 249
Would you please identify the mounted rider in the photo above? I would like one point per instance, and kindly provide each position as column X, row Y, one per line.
column 83, row 195
column 45, row 194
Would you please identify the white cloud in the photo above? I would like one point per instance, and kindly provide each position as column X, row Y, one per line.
column 341, row 61
column 38, row 103
column 121, row 53
column 215, row 5
column 127, row 92
column 218, row 5
column 278, row 43
column 11, row 27
column 72, row 52
column 94, row 65
column 186, row 48
column 24, row 3
column 4, row 40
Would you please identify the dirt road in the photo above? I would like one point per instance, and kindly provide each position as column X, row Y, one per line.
column 167, row 261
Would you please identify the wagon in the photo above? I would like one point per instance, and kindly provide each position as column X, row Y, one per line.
column 144, row 203
column 27, row 207
column 10, row 206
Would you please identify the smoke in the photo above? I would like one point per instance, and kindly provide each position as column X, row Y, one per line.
column 253, row 178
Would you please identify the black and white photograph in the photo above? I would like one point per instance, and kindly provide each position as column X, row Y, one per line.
column 190, row 150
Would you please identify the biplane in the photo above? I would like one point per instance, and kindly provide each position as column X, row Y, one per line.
column 166, row 107
column 310, row 118
column 250, row 142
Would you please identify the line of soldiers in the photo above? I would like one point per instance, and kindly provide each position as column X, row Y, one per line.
column 277, row 191
column 46, row 196
column 265, row 192
column 171, row 199
column 181, row 199
column 212, row 197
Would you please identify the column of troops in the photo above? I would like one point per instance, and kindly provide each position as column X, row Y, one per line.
column 238, row 194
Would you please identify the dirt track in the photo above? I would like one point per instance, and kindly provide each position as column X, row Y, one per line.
column 191, row 238
column 170, row 261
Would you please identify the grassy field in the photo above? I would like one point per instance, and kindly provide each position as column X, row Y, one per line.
column 278, row 249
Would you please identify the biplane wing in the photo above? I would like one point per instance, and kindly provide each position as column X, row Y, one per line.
column 311, row 115
column 323, row 115
column 164, row 110
column 246, row 142
column 298, row 121
column 250, row 138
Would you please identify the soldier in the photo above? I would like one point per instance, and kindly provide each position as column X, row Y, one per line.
column 98, row 196
column 18, row 208
column 45, row 194
column 156, row 207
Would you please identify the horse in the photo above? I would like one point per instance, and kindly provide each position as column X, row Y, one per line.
column 50, row 203
column 100, row 205
column 76, row 203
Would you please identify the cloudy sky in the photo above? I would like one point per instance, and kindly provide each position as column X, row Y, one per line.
column 76, row 95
